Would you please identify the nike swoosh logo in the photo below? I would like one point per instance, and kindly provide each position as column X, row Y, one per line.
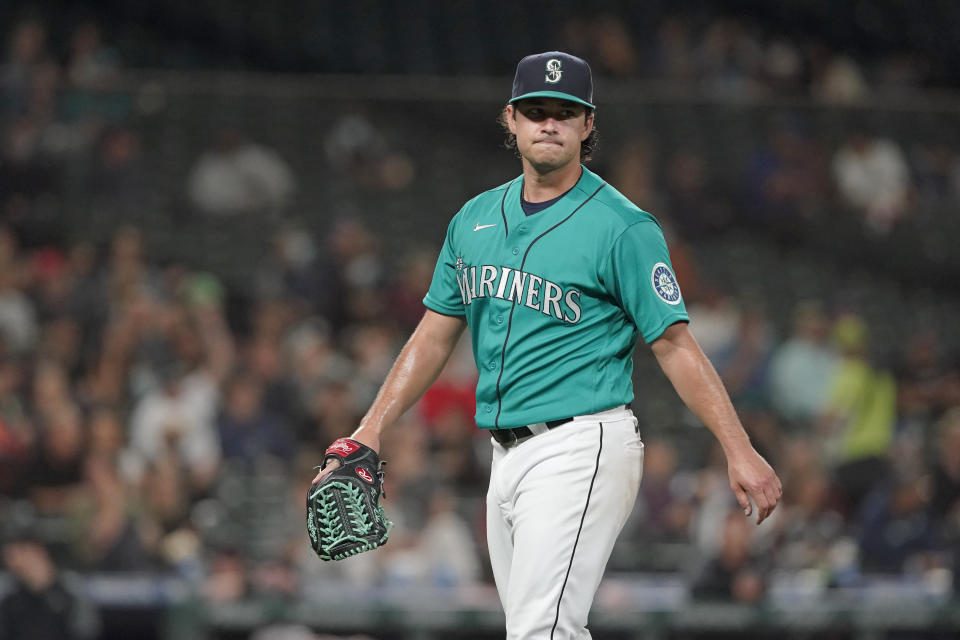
column 483, row 226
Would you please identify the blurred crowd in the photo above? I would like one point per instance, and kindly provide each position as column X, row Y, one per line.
column 155, row 418
column 148, row 424
column 741, row 57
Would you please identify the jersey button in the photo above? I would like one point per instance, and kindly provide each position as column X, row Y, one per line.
column 516, row 251
column 493, row 365
column 499, row 319
column 488, row 409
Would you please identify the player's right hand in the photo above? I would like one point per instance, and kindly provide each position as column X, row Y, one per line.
column 752, row 477
column 363, row 435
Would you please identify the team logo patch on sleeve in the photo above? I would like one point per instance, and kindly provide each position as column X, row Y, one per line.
column 665, row 283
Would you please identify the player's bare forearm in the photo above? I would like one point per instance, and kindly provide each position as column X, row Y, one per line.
column 700, row 388
column 416, row 368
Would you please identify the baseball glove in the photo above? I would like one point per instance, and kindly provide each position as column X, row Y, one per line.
column 344, row 515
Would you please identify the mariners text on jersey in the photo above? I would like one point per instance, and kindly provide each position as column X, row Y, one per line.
column 528, row 289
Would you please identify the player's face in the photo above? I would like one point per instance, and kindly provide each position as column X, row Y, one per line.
column 549, row 131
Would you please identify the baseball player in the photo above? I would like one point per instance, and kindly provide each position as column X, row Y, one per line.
column 556, row 275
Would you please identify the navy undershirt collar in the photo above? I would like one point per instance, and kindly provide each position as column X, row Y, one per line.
column 531, row 208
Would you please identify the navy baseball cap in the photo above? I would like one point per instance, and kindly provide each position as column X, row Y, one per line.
column 553, row 74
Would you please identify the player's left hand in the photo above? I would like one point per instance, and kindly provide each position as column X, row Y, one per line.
column 367, row 437
column 752, row 477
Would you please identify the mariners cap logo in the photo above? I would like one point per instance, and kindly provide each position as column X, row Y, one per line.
column 665, row 283
column 553, row 71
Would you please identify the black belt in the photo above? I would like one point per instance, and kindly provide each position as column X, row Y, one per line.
column 509, row 437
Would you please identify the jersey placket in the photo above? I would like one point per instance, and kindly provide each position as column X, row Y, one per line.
column 496, row 317
column 518, row 242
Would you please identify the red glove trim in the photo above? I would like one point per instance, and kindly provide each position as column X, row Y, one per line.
column 342, row 448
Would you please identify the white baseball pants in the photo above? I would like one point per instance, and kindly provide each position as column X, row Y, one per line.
column 555, row 506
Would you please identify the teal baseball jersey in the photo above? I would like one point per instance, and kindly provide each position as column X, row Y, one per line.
column 555, row 301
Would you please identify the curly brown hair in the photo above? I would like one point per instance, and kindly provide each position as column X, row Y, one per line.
column 587, row 147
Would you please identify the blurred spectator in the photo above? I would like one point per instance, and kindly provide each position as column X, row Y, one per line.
column 227, row 579
column 166, row 492
column 808, row 526
column 319, row 372
column 406, row 293
column 16, row 432
column 715, row 320
column 358, row 257
column 55, row 477
column 872, row 177
column 928, row 382
column 106, row 435
column 90, row 101
column 127, row 275
column 633, row 173
column 729, row 58
column 289, row 271
column 945, row 492
column 26, row 53
column 744, row 364
column 614, row 53
column 92, row 65
column 361, row 154
column 60, row 342
column 266, row 363
column 839, row 80
column 44, row 604
column 118, row 174
column 802, row 367
column 86, row 295
column 334, row 412
column 785, row 179
column 18, row 321
column 937, row 170
column 51, row 389
column 178, row 418
column 692, row 202
column 944, row 503
column 895, row 526
column 237, row 176
column 782, row 68
column 445, row 554
column 109, row 537
column 902, row 71
column 247, row 431
column 672, row 57
column 50, row 285
column 665, row 509
column 734, row 574
column 859, row 421
column 32, row 141
column 373, row 348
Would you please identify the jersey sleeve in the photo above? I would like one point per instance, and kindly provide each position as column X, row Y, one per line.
column 639, row 275
column 444, row 293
